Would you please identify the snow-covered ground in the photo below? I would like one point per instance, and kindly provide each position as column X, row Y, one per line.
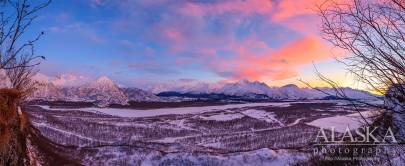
column 224, row 117
column 167, row 111
column 62, row 131
column 263, row 156
column 234, row 134
column 340, row 123
column 269, row 117
column 181, row 110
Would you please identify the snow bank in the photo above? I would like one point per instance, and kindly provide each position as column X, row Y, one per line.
column 353, row 121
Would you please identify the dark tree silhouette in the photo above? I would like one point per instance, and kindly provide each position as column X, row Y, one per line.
column 18, row 59
column 17, row 56
column 373, row 34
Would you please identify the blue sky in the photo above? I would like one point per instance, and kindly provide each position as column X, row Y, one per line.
column 142, row 41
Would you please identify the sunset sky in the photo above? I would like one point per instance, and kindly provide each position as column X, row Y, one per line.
column 138, row 42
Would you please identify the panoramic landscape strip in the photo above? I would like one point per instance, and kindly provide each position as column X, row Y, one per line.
column 202, row 82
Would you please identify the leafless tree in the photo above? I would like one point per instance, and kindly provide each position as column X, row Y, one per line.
column 20, row 74
column 373, row 34
column 17, row 55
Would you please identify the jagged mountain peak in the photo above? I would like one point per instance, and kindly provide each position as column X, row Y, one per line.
column 244, row 87
column 104, row 80
column 136, row 94
column 256, row 89
column 248, row 82
column 104, row 91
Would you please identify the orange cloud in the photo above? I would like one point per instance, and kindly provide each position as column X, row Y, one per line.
column 273, row 64
column 253, row 58
column 303, row 51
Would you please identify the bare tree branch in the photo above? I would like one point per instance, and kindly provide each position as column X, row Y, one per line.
column 17, row 56
column 374, row 34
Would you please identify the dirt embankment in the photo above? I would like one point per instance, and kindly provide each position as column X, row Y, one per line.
column 16, row 131
column 12, row 129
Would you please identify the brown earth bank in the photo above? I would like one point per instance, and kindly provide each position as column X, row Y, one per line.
column 20, row 142
column 47, row 152
column 13, row 130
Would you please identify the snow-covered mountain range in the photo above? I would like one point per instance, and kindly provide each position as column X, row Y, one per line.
column 251, row 90
column 103, row 91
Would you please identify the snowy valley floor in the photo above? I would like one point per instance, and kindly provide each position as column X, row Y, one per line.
column 278, row 133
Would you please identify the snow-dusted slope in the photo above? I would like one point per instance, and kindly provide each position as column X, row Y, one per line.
column 259, row 90
column 184, row 86
column 291, row 92
column 349, row 92
column 244, row 87
column 136, row 94
column 103, row 91
column 45, row 89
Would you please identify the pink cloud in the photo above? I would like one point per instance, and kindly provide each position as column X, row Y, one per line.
column 300, row 15
column 272, row 64
column 182, row 32
column 173, row 34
